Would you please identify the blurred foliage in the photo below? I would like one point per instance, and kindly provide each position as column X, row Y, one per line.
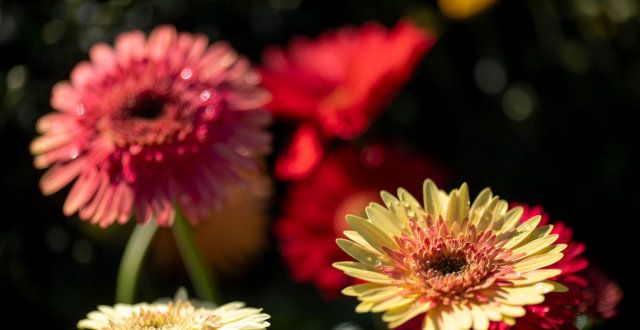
column 538, row 99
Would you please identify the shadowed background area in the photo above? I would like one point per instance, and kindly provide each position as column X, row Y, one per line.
column 537, row 99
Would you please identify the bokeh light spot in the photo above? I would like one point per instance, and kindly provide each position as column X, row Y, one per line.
column 519, row 101
column 82, row 251
column 490, row 76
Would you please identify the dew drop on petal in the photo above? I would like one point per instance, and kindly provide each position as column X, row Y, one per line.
column 80, row 110
column 211, row 112
column 540, row 287
column 205, row 95
column 73, row 153
column 185, row 73
column 135, row 149
column 243, row 151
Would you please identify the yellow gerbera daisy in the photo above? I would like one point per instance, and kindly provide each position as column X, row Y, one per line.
column 178, row 314
column 462, row 9
column 462, row 265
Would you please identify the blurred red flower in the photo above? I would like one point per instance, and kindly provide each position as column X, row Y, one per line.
column 344, row 183
column 332, row 86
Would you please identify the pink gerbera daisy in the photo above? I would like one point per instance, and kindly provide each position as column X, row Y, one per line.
column 152, row 123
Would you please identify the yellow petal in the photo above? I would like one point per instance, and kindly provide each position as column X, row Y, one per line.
column 534, row 235
column 431, row 320
column 354, row 236
column 480, row 320
column 486, row 218
column 493, row 315
column 371, row 233
column 402, row 314
column 358, row 289
column 358, row 252
column 431, row 199
column 535, row 276
column 382, row 218
column 361, row 271
column 508, row 310
column 394, row 302
column 388, row 198
column 510, row 220
column 479, row 204
column 458, row 207
column 462, row 315
column 364, row 307
column 522, row 232
column 447, row 320
column 380, row 294
column 536, row 262
column 415, row 210
column 557, row 287
column 509, row 320
column 525, row 295
column 536, row 245
column 394, row 206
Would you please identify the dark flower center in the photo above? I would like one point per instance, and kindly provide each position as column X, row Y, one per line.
column 447, row 264
column 147, row 107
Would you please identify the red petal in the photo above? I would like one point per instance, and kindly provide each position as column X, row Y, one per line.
column 302, row 156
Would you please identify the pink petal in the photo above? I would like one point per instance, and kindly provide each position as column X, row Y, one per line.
column 82, row 191
column 60, row 175
column 160, row 41
column 88, row 210
column 64, row 97
column 82, row 75
column 130, row 47
column 103, row 57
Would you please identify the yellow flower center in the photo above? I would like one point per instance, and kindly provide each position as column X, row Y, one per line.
column 180, row 315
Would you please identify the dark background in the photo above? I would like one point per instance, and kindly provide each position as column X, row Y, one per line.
column 537, row 99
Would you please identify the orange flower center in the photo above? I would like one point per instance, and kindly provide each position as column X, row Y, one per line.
column 446, row 265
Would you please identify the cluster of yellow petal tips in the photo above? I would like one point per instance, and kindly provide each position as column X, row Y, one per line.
column 462, row 265
column 179, row 314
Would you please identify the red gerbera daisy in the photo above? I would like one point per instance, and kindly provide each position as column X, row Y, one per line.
column 344, row 183
column 334, row 85
column 560, row 309
column 150, row 123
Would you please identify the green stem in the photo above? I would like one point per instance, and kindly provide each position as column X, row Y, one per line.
column 203, row 283
column 132, row 260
